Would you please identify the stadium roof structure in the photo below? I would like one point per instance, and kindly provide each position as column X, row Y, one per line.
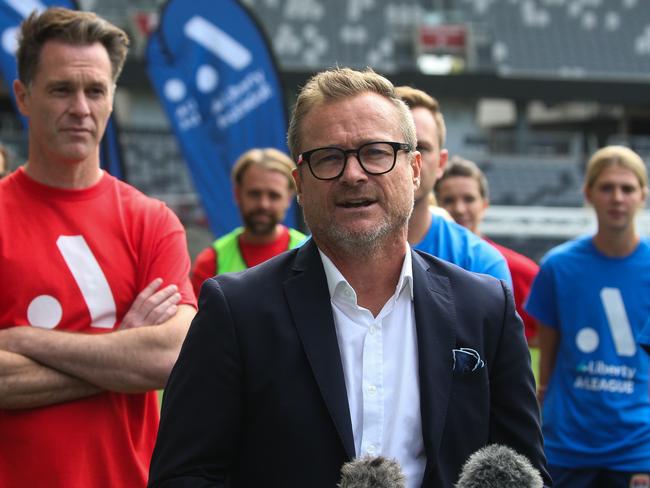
column 489, row 85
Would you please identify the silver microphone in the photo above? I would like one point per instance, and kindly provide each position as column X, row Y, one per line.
column 498, row 466
column 372, row 472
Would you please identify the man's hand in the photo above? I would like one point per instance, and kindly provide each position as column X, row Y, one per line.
column 152, row 307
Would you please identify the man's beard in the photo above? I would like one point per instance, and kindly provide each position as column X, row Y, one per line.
column 355, row 242
column 358, row 242
column 257, row 227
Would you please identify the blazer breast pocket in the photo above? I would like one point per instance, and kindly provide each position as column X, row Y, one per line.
column 469, row 403
column 469, row 406
column 467, row 381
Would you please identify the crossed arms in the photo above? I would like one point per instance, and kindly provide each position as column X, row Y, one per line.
column 41, row 367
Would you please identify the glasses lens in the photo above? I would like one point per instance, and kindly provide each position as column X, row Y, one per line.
column 377, row 157
column 327, row 163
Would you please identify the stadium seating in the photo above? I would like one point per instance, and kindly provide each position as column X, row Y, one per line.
column 522, row 180
column 596, row 39
column 153, row 164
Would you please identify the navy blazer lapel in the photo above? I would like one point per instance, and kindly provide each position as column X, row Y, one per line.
column 435, row 322
column 309, row 301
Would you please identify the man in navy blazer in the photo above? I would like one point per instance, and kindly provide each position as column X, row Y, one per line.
column 352, row 344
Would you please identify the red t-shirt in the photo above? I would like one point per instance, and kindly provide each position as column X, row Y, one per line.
column 523, row 271
column 75, row 260
column 205, row 264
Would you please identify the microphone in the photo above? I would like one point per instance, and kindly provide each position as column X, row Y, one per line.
column 372, row 472
column 498, row 466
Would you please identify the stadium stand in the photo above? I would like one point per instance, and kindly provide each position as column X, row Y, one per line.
column 522, row 180
column 312, row 34
column 540, row 169
column 154, row 165
column 566, row 38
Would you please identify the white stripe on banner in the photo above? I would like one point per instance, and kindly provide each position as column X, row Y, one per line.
column 25, row 7
column 209, row 36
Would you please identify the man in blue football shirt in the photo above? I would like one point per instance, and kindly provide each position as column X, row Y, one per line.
column 428, row 230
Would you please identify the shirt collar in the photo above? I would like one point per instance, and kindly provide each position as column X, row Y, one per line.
column 336, row 281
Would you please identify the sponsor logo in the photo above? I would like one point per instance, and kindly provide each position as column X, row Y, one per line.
column 600, row 376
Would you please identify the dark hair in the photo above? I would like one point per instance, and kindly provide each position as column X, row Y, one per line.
column 72, row 27
column 458, row 166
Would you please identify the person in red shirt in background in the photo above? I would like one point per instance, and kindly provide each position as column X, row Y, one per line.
column 263, row 188
column 463, row 192
column 86, row 261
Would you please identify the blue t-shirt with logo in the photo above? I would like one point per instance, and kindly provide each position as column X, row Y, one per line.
column 596, row 409
column 454, row 243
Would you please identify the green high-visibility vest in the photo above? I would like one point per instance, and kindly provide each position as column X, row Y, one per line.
column 229, row 258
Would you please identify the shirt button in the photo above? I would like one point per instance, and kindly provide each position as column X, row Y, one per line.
column 372, row 389
column 372, row 329
column 372, row 449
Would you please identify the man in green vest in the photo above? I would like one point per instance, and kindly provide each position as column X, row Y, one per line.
column 264, row 189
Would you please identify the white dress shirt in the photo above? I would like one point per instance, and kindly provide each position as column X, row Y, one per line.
column 380, row 365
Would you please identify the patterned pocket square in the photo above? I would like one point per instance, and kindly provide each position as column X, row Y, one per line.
column 467, row 360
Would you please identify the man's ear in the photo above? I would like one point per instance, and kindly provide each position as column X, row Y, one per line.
column 22, row 94
column 442, row 163
column 296, row 178
column 416, row 165
column 236, row 193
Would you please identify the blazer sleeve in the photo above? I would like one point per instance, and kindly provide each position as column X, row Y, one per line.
column 514, row 411
column 201, row 415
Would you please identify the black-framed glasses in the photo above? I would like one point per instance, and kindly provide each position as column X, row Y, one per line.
column 376, row 158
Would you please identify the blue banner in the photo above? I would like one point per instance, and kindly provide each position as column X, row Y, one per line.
column 12, row 13
column 216, row 78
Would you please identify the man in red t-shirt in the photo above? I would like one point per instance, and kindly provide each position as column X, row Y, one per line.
column 263, row 188
column 463, row 192
column 87, row 334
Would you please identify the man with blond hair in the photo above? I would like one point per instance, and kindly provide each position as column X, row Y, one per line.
column 428, row 230
column 352, row 344
column 263, row 189
column 591, row 298
column 81, row 351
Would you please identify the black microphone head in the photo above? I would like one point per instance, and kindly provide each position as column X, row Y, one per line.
column 497, row 466
column 372, row 472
